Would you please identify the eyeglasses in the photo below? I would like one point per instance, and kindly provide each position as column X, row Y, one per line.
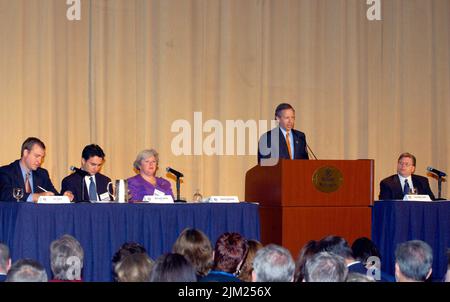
column 405, row 164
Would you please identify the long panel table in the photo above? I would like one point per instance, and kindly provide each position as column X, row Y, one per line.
column 28, row 228
column 394, row 222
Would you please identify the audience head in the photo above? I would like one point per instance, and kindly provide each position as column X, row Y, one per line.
column 363, row 248
column 5, row 259
column 406, row 164
column 128, row 248
column 230, row 252
column 134, row 268
column 285, row 115
column 92, row 159
column 147, row 162
column 336, row 245
column 247, row 267
column 358, row 277
column 32, row 153
column 413, row 261
column 273, row 263
column 172, row 267
column 66, row 254
column 325, row 267
column 195, row 246
column 27, row 270
column 307, row 251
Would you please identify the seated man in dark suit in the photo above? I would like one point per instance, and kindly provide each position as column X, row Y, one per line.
column 26, row 173
column 282, row 142
column 398, row 185
column 87, row 183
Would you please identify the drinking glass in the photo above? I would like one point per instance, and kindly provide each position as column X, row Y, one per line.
column 197, row 196
column 18, row 193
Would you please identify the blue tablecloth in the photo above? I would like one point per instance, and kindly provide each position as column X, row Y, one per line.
column 29, row 228
column 394, row 222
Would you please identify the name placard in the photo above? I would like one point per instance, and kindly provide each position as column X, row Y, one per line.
column 53, row 200
column 158, row 199
column 411, row 197
column 226, row 199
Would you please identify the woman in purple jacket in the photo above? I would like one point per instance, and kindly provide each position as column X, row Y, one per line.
column 146, row 182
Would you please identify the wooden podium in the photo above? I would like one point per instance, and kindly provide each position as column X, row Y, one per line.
column 301, row 200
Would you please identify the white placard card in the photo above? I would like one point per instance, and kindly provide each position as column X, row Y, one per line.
column 411, row 197
column 226, row 199
column 158, row 199
column 53, row 200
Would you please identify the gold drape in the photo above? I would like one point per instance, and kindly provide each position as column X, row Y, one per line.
column 128, row 69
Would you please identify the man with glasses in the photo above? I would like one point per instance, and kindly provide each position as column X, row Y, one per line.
column 404, row 182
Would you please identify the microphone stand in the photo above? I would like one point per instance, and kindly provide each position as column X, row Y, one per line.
column 82, row 187
column 178, row 191
column 440, row 188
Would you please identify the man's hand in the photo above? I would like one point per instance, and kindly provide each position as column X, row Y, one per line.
column 69, row 194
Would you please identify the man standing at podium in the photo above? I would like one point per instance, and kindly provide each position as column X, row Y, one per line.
column 397, row 186
column 282, row 142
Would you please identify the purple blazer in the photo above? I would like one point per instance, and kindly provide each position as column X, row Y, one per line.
column 139, row 187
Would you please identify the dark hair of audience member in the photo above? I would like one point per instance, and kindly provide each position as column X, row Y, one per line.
column 363, row 248
column 307, row 251
column 336, row 245
column 230, row 252
column 195, row 246
column 134, row 268
column 245, row 273
column 126, row 249
column 172, row 267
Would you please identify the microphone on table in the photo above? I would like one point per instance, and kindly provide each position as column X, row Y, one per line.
column 178, row 175
column 437, row 172
column 79, row 171
column 174, row 172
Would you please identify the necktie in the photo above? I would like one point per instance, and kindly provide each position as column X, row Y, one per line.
column 288, row 142
column 92, row 189
column 27, row 183
column 406, row 187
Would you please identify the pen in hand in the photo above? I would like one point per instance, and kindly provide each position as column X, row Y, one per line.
column 42, row 188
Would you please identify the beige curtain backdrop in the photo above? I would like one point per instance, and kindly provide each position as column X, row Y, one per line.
column 124, row 73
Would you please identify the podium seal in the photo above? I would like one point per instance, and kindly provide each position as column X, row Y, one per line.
column 327, row 179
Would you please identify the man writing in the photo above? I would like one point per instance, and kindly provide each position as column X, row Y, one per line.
column 27, row 173
column 88, row 184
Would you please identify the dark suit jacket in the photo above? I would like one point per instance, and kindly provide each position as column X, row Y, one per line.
column 390, row 187
column 2, row 278
column 75, row 183
column 11, row 177
column 300, row 151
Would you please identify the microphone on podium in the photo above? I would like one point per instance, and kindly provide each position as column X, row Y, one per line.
column 308, row 148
